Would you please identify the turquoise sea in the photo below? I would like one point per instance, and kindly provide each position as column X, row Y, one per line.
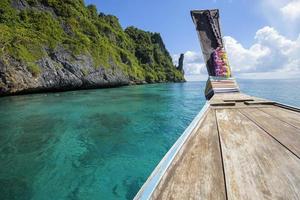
column 101, row 144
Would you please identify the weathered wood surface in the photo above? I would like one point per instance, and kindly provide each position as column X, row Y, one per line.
column 236, row 96
column 239, row 151
column 286, row 134
column 256, row 165
column 197, row 173
column 285, row 115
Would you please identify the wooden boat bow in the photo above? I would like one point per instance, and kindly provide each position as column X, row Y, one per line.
column 237, row 147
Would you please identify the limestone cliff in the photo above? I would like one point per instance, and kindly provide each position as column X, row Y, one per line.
column 49, row 45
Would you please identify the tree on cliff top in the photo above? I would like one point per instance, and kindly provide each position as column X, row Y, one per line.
column 30, row 29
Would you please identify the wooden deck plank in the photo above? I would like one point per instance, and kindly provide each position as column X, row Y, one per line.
column 235, row 96
column 196, row 172
column 286, row 134
column 288, row 116
column 256, row 166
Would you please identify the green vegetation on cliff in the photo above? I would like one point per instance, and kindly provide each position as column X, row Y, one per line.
column 29, row 29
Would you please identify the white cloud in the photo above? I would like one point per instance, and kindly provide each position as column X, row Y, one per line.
column 291, row 10
column 242, row 59
column 271, row 56
column 284, row 15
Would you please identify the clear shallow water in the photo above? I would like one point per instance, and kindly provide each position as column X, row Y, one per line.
column 93, row 144
column 100, row 144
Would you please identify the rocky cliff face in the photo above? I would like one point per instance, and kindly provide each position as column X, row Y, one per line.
column 64, row 45
column 180, row 63
column 58, row 71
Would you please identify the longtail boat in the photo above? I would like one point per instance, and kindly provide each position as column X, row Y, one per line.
column 237, row 147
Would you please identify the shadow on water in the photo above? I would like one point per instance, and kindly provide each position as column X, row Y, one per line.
column 112, row 122
column 133, row 185
column 15, row 189
column 37, row 133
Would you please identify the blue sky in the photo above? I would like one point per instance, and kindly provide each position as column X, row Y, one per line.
column 254, row 31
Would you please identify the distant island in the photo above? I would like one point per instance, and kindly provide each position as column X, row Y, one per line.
column 54, row 45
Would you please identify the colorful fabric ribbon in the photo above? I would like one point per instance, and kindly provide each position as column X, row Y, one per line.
column 221, row 64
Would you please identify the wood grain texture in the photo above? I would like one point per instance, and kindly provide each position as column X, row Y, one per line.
column 288, row 116
column 256, row 166
column 235, row 96
column 196, row 172
column 286, row 134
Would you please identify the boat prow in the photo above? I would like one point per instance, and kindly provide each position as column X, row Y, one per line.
column 237, row 147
